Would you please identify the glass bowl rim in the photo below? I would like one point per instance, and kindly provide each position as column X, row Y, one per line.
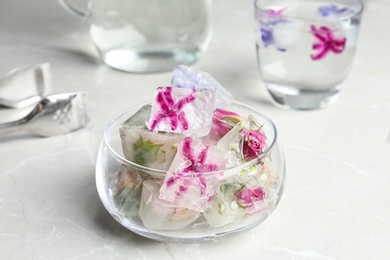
column 226, row 170
column 359, row 11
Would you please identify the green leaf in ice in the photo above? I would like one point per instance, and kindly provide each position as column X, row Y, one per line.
column 145, row 151
column 232, row 187
column 221, row 208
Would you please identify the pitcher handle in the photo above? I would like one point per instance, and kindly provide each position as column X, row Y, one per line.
column 72, row 10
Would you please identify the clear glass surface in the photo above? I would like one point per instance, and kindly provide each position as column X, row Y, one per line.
column 150, row 36
column 305, row 49
column 267, row 170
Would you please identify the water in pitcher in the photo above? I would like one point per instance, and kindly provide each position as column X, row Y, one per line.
column 306, row 48
column 148, row 36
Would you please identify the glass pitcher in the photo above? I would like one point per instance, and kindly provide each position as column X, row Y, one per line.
column 147, row 35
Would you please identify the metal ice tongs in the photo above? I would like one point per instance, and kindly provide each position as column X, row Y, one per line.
column 25, row 86
column 54, row 115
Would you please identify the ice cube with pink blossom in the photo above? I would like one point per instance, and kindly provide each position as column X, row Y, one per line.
column 159, row 214
column 237, row 198
column 182, row 110
column 246, row 141
column 223, row 122
column 224, row 209
column 189, row 77
column 187, row 183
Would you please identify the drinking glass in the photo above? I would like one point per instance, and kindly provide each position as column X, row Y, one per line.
column 130, row 191
column 305, row 49
column 148, row 36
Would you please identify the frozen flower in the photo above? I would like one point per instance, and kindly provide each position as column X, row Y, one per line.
column 266, row 36
column 248, row 197
column 330, row 10
column 326, row 42
column 273, row 18
column 223, row 122
column 171, row 110
column 188, row 182
column 254, row 143
column 276, row 12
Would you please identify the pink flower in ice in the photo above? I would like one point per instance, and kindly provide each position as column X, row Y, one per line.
column 254, row 143
column 276, row 12
column 326, row 42
column 171, row 110
column 196, row 163
column 247, row 197
column 223, row 122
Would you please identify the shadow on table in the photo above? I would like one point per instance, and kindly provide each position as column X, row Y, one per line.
column 78, row 54
column 111, row 227
column 119, row 233
column 260, row 101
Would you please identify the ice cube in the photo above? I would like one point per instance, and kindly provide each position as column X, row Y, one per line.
column 182, row 110
column 223, row 122
column 149, row 149
column 334, row 11
column 244, row 142
column 126, row 189
column 156, row 213
column 189, row 77
column 287, row 34
column 139, row 118
column 239, row 196
column 224, row 208
column 187, row 183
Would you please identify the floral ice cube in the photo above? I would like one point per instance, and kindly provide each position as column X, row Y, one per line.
column 224, row 208
column 139, row 118
column 244, row 142
column 156, row 213
column 189, row 77
column 182, row 110
column 249, row 197
column 333, row 10
column 237, row 198
column 187, row 183
column 126, row 188
column 223, row 122
column 153, row 150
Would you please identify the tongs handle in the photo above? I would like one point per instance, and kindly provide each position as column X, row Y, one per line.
column 11, row 127
column 21, row 103
column 19, row 125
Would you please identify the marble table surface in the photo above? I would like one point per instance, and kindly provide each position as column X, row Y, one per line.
column 336, row 203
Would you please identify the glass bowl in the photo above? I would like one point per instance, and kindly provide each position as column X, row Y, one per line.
column 130, row 191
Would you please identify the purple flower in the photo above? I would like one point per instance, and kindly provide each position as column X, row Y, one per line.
column 273, row 18
column 330, row 10
column 326, row 42
column 266, row 36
